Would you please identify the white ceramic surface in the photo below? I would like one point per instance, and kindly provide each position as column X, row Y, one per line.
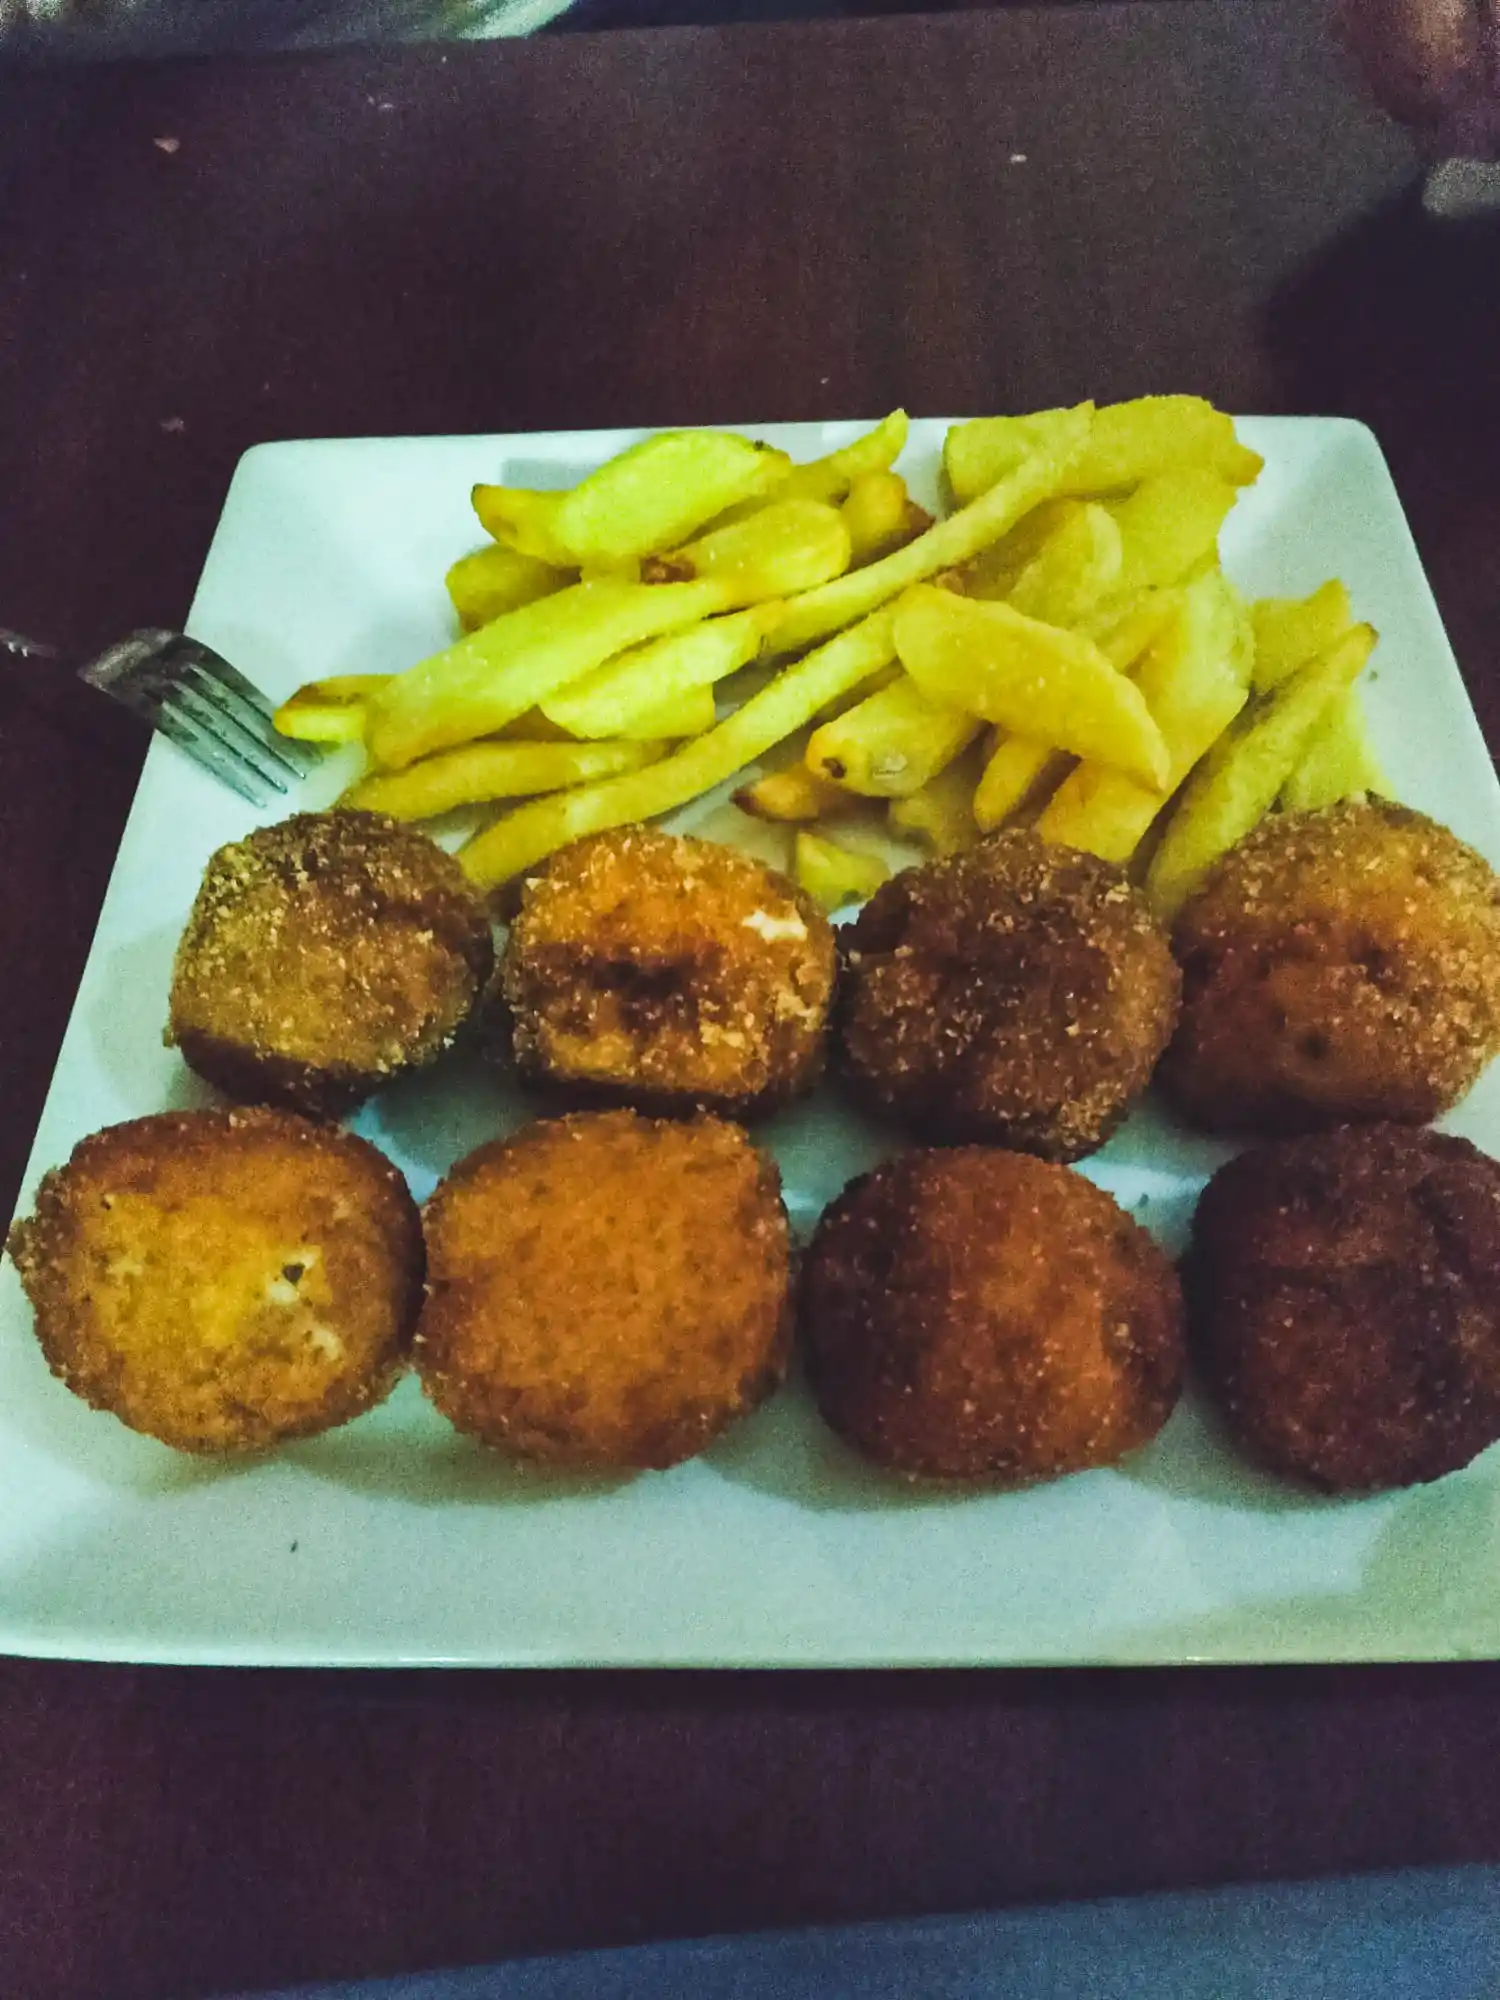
column 394, row 1543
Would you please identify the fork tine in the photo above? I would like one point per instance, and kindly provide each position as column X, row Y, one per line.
column 204, row 748
column 181, row 696
column 251, row 722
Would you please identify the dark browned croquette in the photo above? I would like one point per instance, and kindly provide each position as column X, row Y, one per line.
column 978, row 1314
column 1339, row 966
column 1344, row 1296
column 324, row 956
column 1017, row 993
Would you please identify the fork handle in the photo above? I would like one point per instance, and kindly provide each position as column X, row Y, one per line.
column 47, row 687
column 19, row 647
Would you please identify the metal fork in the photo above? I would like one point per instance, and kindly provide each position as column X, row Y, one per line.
column 192, row 695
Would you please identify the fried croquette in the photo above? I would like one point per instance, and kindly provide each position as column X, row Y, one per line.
column 977, row 1314
column 1344, row 1296
column 1016, row 993
column 324, row 956
column 668, row 973
column 605, row 1289
column 1340, row 966
column 224, row 1280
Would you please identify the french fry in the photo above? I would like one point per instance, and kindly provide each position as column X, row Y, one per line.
column 1036, row 680
column 944, row 546
column 784, row 547
column 1124, row 627
column 978, row 455
column 611, row 700
column 1077, row 565
column 649, row 498
column 996, row 570
column 1339, row 761
column 784, row 705
column 1290, row 631
column 479, row 771
column 1195, row 678
column 521, row 659
column 1019, row 773
column 494, row 580
column 329, row 711
column 793, row 795
column 1022, row 774
column 888, row 745
column 941, row 814
column 833, row 477
column 1237, row 782
column 880, row 516
column 1130, row 442
column 831, row 874
column 685, row 714
column 1170, row 524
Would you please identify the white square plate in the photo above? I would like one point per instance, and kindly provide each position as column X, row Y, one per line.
column 393, row 1543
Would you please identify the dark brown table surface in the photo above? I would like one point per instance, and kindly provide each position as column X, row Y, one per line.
column 959, row 214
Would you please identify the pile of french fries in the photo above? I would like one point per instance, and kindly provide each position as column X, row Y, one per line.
column 1061, row 650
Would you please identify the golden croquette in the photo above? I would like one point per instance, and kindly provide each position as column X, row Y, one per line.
column 606, row 1289
column 223, row 1280
column 669, row 973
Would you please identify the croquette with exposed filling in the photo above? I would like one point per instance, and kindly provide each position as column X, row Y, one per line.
column 223, row 1280
column 1344, row 1298
column 1016, row 993
column 1338, row 966
column 666, row 972
column 606, row 1289
column 983, row 1315
column 324, row 956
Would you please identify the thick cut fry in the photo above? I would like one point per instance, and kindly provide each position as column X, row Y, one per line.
column 329, row 711
column 793, row 795
column 996, row 570
column 890, row 744
column 686, row 714
column 944, row 546
column 1290, row 631
column 1020, row 773
column 521, row 659
column 831, row 874
column 978, row 455
column 479, row 771
column 1195, row 678
column 610, row 700
column 1237, row 783
column 644, row 500
column 831, row 478
column 941, row 814
column 782, row 706
column 1170, row 524
column 1077, row 565
column 1123, row 628
column 1339, row 761
column 783, row 547
column 1131, row 441
column 494, row 580
column 880, row 516
column 1034, row 679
